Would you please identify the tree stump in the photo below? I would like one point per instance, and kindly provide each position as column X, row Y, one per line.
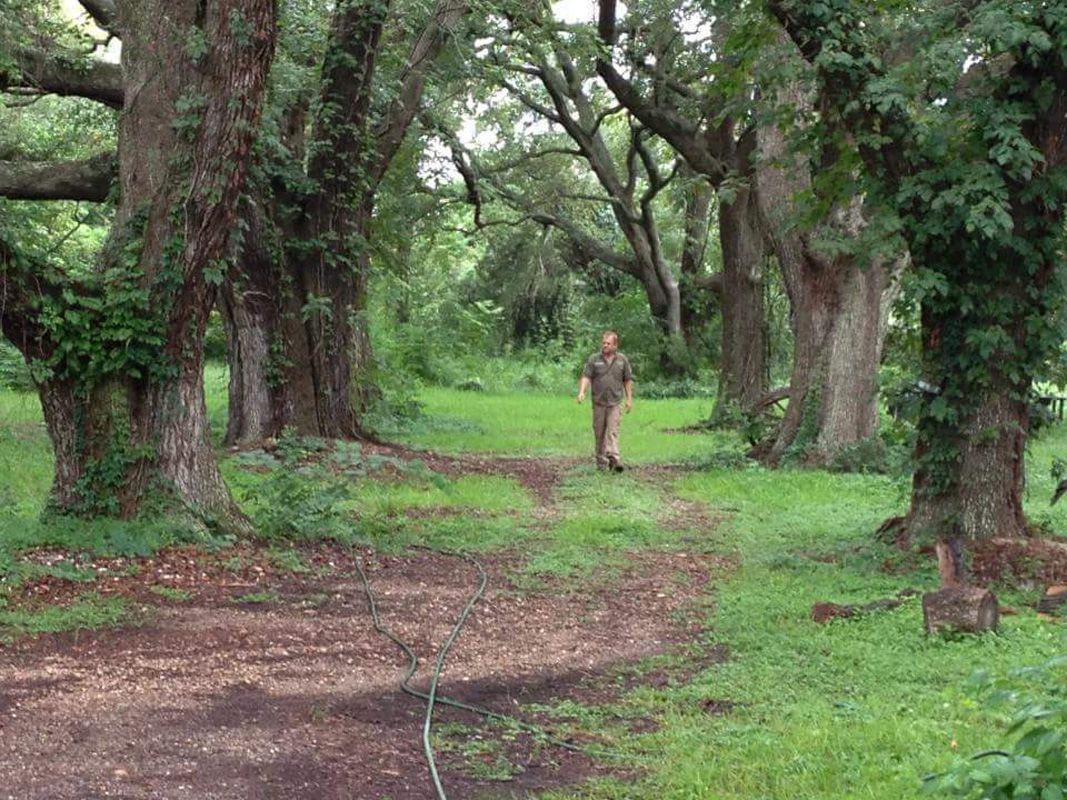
column 962, row 608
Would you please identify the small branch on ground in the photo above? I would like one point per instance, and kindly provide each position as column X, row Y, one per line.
column 825, row 611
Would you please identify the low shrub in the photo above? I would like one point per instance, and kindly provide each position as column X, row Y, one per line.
column 1034, row 765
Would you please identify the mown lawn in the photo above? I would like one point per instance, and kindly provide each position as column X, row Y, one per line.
column 852, row 709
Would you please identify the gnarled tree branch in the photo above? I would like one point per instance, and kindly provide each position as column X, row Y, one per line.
column 406, row 105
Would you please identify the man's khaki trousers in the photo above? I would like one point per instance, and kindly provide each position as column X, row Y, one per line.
column 606, row 431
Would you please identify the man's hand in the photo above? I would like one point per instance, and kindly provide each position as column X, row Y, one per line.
column 581, row 395
column 629, row 405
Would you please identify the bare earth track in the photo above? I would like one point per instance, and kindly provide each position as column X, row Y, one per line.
column 213, row 698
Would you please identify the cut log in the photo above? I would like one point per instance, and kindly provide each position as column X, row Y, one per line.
column 962, row 608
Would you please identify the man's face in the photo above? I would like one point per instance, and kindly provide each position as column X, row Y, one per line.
column 608, row 345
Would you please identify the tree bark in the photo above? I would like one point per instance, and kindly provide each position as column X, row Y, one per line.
column 131, row 436
column 960, row 608
column 744, row 371
column 310, row 366
column 89, row 180
column 271, row 385
column 838, row 319
column 97, row 80
column 104, row 13
column 839, row 310
column 981, row 496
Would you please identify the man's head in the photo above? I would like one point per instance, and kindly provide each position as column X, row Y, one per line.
column 609, row 343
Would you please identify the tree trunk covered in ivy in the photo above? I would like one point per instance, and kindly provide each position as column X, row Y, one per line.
column 839, row 310
column 333, row 261
column 972, row 436
column 125, row 401
column 983, row 221
column 271, row 386
column 300, row 349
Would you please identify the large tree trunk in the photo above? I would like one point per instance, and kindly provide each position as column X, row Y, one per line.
column 833, row 391
column 271, row 383
column 60, row 410
column 291, row 366
column 126, row 413
column 744, row 372
column 839, row 308
column 339, row 355
column 972, row 429
column 978, row 494
column 319, row 377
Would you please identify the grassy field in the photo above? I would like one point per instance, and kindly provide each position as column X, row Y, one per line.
column 536, row 424
column 852, row 709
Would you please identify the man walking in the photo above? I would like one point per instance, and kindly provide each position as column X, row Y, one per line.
column 609, row 373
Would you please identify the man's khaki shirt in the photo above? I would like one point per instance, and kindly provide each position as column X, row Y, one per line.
column 608, row 378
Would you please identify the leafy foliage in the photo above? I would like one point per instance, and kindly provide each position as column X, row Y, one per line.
column 1035, row 768
column 14, row 374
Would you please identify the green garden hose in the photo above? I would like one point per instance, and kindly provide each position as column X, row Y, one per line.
column 432, row 699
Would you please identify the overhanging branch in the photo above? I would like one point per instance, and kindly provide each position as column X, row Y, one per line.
column 104, row 14
column 95, row 79
column 588, row 245
column 423, row 54
column 90, row 179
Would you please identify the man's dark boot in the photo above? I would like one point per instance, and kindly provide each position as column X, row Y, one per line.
column 614, row 465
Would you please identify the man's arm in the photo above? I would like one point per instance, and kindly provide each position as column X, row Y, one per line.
column 628, row 384
column 583, row 387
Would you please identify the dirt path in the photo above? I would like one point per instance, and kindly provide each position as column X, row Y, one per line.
column 297, row 698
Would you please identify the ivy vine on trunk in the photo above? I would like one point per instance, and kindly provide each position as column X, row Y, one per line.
column 299, row 346
column 119, row 355
column 972, row 161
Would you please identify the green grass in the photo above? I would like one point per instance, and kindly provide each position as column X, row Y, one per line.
column 171, row 593
column 91, row 612
column 257, row 598
column 604, row 516
column 492, row 494
column 459, row 532
column 287, row 560
column 853, row 709
column 535, row 424
column 25, row 455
